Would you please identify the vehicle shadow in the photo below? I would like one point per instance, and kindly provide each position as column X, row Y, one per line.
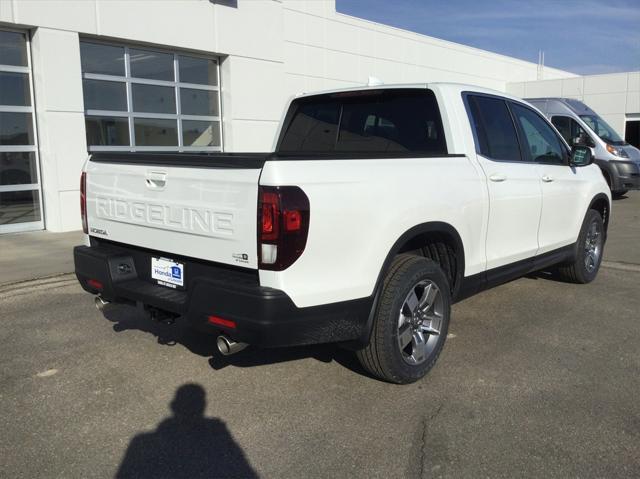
column 548, row 274
column 186, row 445
column 126, row 318
column 620, row 197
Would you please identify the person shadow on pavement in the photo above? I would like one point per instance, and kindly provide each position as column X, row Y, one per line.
column 186, row 445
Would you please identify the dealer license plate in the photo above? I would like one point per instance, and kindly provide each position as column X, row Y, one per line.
column 167, row 272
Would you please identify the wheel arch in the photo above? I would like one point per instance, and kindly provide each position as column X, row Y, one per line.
column 609, row 172
column 412, row 240
column 601, row 204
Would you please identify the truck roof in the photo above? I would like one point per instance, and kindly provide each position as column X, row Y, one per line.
column 449, row 86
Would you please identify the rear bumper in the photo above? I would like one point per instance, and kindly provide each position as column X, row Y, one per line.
column 263, row 316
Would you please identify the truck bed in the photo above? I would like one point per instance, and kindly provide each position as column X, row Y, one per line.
column 201, row 160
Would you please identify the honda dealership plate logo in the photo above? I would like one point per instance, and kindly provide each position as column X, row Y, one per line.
column 176, row 273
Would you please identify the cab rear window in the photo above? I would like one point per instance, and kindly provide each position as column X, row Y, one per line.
column 393, row 120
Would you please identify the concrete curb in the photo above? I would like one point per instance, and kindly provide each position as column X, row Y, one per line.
column 621, row 266
column 43, row 282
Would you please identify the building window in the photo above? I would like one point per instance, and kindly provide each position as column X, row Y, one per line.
column 20, row 198
column 139, row 99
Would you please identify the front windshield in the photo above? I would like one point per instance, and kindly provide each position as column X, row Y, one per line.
column 602, row 129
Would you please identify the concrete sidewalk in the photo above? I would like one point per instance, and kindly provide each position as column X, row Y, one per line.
column 36, row 254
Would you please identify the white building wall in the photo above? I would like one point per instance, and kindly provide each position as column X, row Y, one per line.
column 60, row 118
column 615, row 97
column 325, row 49
column 269, row 49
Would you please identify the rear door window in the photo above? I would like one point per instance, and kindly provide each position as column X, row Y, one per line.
column 375, row 121
column 495, row 132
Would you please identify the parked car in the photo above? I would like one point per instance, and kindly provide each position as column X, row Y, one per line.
column 379, row 208
column 580, row 125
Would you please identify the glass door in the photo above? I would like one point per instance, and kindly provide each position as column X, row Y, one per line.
column 20, row 195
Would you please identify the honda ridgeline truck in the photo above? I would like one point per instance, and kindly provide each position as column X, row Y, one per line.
column 378, row 208
column 580, row 125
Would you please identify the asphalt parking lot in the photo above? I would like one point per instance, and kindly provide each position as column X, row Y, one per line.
column 538, row 379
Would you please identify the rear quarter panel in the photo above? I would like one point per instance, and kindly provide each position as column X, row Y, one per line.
column 359, row 208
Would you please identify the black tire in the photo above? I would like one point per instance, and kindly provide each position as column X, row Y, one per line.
column 578, row 271
column 383, row 356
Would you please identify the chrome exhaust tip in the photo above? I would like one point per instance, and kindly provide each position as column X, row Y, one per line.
column 228, row 346
column 100, row 303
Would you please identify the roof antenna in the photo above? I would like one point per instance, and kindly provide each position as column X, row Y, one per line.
column 540, row 72
column 373, row 81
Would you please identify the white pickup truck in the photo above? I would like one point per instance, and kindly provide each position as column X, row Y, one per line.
column 378, row 208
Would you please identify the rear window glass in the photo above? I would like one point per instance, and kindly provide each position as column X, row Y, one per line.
column 370, row 121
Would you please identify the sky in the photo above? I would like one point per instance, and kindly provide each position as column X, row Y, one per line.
column 584, row 37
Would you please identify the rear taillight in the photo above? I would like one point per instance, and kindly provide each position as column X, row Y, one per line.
column 218, row 321
column 283, row 226
column 83, row 202
column 95, row 284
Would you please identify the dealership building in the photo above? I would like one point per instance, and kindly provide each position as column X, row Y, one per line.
column 201, row 75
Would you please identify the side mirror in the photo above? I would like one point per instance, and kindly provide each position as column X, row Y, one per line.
column 581, row 156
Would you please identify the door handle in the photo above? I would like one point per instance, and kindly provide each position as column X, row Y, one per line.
column 547, row 178
column 497, row 178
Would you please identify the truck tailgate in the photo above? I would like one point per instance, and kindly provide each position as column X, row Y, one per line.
column 198, row 206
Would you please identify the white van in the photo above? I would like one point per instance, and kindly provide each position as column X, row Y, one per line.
column 580, row 125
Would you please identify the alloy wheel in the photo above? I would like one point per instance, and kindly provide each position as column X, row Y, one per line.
column 420, row 322
column 593, row 246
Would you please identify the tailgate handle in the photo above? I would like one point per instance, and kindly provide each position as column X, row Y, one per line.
column 156, row 180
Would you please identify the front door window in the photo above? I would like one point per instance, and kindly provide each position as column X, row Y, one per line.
column 571, row 131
